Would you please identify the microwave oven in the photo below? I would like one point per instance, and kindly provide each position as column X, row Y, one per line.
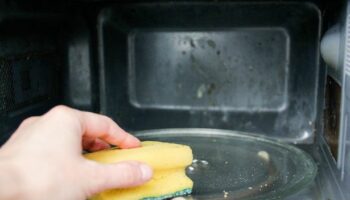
column 211, row 73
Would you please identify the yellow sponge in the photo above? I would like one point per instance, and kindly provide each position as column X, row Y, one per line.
column 168, row 162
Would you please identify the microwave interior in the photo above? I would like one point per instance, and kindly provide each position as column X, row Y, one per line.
column 197, row 72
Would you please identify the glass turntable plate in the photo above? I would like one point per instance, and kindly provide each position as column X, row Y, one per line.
column 234, row 165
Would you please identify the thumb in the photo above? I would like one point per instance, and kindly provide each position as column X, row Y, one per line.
column 120, row 175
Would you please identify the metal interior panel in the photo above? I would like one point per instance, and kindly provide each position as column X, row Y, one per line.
column 239, row 66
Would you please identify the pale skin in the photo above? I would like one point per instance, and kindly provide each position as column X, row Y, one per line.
column 43, row 158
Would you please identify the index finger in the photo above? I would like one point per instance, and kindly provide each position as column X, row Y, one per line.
column 99, row 126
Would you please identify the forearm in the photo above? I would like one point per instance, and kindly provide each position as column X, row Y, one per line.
column 9, row 181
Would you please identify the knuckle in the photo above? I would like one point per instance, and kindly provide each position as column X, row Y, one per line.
column 70, row 117
column 61, row 111
column 27, row 121
column 64, row 113
column 107, row 119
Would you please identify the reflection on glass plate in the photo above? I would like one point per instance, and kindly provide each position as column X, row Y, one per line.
column 234, row 165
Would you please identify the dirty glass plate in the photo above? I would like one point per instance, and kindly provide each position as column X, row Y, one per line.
column 234, row 165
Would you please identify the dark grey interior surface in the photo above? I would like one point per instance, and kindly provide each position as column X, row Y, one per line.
column 30, row 68
column 240, row 66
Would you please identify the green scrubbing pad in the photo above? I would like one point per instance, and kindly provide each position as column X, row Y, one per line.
column 176, row 194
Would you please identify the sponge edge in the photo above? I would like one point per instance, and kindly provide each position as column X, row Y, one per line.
column 168, row 161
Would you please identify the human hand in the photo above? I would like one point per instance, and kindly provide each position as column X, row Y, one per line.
column 43, row 158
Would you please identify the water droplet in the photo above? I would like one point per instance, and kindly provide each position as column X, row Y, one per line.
column 225, row 194
column 204, row 162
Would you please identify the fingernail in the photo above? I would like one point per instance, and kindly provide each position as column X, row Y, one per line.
column 146, row 172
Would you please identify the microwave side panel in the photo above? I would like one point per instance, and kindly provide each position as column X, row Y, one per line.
column 344, row 140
